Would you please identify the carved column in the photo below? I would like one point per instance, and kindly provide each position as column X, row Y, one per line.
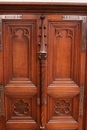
column 42, row 57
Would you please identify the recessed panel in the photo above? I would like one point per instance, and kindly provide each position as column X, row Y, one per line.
column 60, row 109
column 20, row 107
column 20, row 50
column 63, row 48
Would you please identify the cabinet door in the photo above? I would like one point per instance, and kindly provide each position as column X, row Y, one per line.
column 20, row 63
column 48, row 94
column 65, row 74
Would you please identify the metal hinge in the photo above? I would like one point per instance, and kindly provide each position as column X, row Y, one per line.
column 74, row 17
column 38, row 101
column 81, row 100
column 10, row 17
column 84, row 26
column 84, row 38
column 1, row 100
column 45, row 101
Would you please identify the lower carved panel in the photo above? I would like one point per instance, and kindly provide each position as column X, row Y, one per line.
column 21, row 107
column 62, row 107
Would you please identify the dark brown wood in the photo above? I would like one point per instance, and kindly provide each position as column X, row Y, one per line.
column 43, row 7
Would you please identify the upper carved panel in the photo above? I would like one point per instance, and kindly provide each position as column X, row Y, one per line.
column 20, row 50
column 64, row 32
column 21, row 107
column 64, row 42
column 62, row 107
column 20, row 47
column 20, row 32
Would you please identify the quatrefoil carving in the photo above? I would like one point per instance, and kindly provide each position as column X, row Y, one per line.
column 62, row 107
column 21, row 107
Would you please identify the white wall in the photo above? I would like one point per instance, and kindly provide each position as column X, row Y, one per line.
column 75, row 1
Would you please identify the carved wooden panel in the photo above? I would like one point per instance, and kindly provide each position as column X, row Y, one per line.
column 20, row 52
column 21, row 108
column 62, row 107
column 65, row 53
column 64, row 73
column 20, row 73
column 64, row 39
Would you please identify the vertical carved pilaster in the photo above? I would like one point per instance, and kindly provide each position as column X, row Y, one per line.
column 42, row 57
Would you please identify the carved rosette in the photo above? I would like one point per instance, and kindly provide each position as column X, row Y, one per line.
column 62, row 107
column 42, row 57
column 21, row 108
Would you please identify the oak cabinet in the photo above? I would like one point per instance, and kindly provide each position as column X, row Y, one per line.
column 43, row 72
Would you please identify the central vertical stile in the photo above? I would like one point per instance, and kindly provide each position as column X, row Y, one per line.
column 42, row 57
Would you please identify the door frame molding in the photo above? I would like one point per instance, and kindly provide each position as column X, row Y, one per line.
column 43, row 7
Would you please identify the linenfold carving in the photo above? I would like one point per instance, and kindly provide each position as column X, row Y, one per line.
column 21, row 107
column 59, row 33
column 62, row 107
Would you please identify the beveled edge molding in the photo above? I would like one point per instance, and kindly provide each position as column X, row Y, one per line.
column 43, row 7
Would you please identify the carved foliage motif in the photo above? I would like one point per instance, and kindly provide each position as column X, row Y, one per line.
column 20, row 32
column 59, row 33
column 62, row 107
column 21, row 107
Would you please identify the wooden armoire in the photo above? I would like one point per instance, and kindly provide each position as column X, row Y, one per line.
column 43, row 66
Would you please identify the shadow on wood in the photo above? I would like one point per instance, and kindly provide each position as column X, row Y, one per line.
column 2, row 123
